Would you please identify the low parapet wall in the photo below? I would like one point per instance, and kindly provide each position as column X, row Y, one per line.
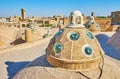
column 25, row 45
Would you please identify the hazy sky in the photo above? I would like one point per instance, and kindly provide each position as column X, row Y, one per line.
column 57, row 7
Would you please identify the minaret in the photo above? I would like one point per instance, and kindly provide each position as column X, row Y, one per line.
column 23, row 14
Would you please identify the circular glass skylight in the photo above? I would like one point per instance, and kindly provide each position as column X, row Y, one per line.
column 74, row 36
column 87, row 25
column 87, row 50
column 89, row 34
column 59, row 33
column 97, row 25
column 58, row 47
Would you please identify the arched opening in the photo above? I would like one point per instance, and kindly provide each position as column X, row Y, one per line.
column 72, row 18
column 23, row 25
column 78, row 20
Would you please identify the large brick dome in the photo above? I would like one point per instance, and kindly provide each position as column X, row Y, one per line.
column 74, row 48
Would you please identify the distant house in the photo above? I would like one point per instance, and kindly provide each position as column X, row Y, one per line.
column 7, row 19
column 115, row 18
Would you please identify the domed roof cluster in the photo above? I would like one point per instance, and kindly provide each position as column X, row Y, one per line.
column 92, row 25
column 74, row 47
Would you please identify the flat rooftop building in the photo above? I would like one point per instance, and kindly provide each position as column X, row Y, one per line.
column 115, row 18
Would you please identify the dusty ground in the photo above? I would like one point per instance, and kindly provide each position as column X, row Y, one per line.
column 11, row 62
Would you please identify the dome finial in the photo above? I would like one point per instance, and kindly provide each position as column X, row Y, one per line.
column 76, row 19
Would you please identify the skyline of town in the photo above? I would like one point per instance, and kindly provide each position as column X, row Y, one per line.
column 60, row 7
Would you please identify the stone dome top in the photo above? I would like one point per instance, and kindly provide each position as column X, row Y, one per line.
column 76, row 12
column 76, row 19
column 74, row 48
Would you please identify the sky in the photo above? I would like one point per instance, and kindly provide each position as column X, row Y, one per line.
column 47, row 8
